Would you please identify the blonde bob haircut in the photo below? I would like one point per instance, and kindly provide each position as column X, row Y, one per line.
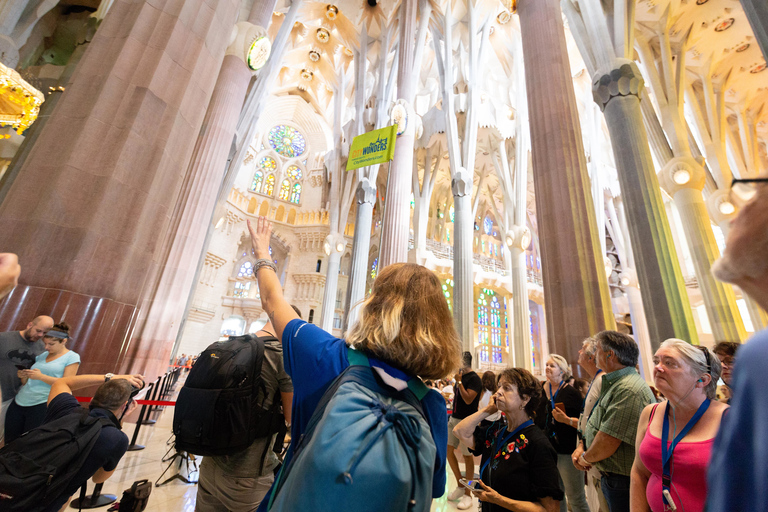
column 406, row 323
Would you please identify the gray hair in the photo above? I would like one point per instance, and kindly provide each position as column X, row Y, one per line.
column 563, row 365
column 112, row 395
column 623, row 346
column 589, row 346
column 696, row 358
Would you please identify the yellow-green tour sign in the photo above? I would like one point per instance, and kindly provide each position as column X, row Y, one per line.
column 372, row 148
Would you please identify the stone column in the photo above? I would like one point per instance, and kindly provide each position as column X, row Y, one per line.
column 722, row 212
column 575, row 284
column 336, row 244
column 463, row 251
column 665, row 299
column 639, row 322
column 683, row 178
column 93, row 201
column 757, row 14
column 521, row 339
column 365, row 197
column 396, row 216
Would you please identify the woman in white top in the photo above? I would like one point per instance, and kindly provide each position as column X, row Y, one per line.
column 490, row 386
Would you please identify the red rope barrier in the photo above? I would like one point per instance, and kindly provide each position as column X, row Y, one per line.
column 86, row 399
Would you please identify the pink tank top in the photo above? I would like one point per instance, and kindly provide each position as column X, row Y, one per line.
column 689, row 472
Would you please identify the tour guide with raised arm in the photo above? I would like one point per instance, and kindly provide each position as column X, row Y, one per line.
column 405, row 330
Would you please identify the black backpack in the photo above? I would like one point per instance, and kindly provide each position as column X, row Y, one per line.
column 136, row 498
column 218, row 411
column 37, row 467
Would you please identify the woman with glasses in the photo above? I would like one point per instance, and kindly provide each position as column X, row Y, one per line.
column 726, row 354
column 674, row 438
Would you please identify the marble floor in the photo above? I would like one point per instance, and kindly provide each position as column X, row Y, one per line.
column 177, row 496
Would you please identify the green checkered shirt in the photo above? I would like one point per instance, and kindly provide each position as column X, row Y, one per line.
column 622, row 398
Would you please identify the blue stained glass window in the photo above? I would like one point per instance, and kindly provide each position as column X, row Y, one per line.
column 241, row 289
column 246, row 269
column 287, row 141
column 374, row 268
column 296, row 194
column 294, row 172
column 488, row 225
column 258, row 178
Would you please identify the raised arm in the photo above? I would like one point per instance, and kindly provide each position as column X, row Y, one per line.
column 9, row 272
column 74, row 382
column 272, row 300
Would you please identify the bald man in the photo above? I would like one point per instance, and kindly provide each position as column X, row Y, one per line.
column 18, row 350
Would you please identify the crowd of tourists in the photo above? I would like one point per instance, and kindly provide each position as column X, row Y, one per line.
column 367, row 433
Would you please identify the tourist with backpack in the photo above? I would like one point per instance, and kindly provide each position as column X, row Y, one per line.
column 366, row 432
column 240, row 480
column 41, row 470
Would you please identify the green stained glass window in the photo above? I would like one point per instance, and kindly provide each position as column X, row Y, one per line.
column 296, row 194
column 285, row 190
column 294, row 173
column 451, row 213
column 258, row 178
column 287, row 141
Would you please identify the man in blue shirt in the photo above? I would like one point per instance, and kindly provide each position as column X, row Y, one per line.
column 738, row 471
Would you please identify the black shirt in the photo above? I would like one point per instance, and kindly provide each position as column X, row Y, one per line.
column 470, row 382
column 527, row 472
column 106, row 453
column 563, row 436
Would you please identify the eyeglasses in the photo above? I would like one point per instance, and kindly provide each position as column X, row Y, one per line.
column 743, row 190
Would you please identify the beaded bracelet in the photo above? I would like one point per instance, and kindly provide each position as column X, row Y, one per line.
column 263, row 262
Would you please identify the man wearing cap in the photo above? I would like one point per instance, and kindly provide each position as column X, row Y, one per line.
column 18, row 350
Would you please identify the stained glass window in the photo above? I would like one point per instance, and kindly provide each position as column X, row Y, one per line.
column 487, row 225
column 451, row 213
column 269, row 185
column 482, row 327
column 448, row 292
column 294, row 172
column 374, row 268
column 241, row 289
column 285, row 190
column 258, row 178
column 287, row 141
column 246, row 269
column 296, row 194
column 496, row 330
column 268, row 164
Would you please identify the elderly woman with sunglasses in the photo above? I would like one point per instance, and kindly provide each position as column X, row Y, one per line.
column 674, row 439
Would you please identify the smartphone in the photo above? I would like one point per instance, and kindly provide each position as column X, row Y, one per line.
column 21, row 367
column 560, row 406
column 469, row 484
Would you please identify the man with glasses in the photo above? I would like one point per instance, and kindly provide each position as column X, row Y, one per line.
column 726, row 353
column 738, row 472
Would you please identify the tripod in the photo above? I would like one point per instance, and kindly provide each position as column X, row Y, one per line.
column 184, row 458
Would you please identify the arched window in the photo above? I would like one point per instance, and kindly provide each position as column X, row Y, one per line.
column 246, row 270
column 482, row 327
column 258, row 179
column 296, row 194
column 487, row 225
column 495, row 330
column 287, row 141
column 269, row 185
column 285, row 190
column 241, row 288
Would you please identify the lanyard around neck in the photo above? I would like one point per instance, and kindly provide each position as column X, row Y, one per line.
column 551, row 396
column 584, row 405
column 498, row 447
column 667, row 451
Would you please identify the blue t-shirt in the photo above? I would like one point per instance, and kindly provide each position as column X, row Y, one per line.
column 35, row 392
column 738, row 471
column 106, row 453
column 313, row 358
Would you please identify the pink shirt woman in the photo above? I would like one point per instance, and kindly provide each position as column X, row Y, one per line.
column 687, row 375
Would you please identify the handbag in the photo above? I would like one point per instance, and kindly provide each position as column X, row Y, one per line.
column 135, row 499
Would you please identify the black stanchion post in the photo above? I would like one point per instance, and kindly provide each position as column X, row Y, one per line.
column 95, row 500
column 155, row 392
column 133, row 446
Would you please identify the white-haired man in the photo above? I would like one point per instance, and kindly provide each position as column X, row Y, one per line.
column 738, row 472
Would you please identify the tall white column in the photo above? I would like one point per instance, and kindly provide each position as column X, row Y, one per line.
column 365, row 197
column 683, row 178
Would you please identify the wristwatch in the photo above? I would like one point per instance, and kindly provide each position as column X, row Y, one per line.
column 108, row 376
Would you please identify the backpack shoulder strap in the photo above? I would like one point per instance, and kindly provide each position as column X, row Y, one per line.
column 418, row 388
column 357, row 358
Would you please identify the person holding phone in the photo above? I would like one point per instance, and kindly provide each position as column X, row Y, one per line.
column 564, row 405
column 518, row 468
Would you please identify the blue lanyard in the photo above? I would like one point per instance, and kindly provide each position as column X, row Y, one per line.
column 551, row 396
column 498, row 447
column 666, row 451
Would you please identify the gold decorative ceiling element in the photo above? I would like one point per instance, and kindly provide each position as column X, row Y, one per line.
column 19, row 101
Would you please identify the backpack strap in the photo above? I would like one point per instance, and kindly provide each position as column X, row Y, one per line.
column 417, row 387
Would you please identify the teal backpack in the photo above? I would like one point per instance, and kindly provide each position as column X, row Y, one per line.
column 367, row 447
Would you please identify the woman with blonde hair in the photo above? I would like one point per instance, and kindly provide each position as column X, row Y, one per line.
column 405, row 329
column 564, row 406
column 675, row 476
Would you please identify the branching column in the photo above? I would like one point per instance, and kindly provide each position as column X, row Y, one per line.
column 463, row 244
column 665, row 298
column 365, row 197
column 575, row 284
column 683, row 178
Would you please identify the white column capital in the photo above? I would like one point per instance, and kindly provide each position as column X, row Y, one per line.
column 682, row 173
column 461, row 183
column 250, row 44
column 621, row 78
column 518, row 238
column 366, row 191
column 720, row 208
column 628, row 278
